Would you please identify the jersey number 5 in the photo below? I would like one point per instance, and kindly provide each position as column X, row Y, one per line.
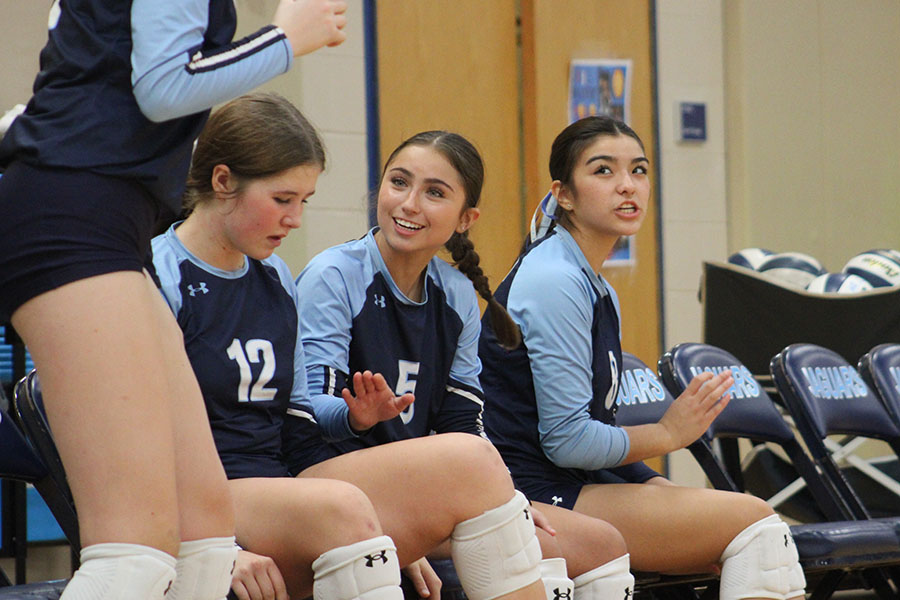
column 406, row 385
column 256, row 350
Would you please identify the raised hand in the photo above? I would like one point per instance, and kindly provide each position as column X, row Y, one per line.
column 374, row 401
column 311, row 24
column 696, row 408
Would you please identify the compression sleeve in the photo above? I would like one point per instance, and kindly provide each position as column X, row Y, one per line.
column 325, row 323
column 172, row 76
column 554, row 308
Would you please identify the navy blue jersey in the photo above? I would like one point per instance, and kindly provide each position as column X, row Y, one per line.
column 354, row 318
column 107, row 65
column 551, row 401
column 240, row 332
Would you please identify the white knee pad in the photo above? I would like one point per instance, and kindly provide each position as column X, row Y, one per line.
column 557, row 584
column 611, row 580
column 497, row 552
column 761, row 562
column 203, row 570
column 368, row 570
column 112, row 571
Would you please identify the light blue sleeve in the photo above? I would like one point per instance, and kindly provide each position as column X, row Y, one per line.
column 172, row 78
column 554, row 308
column 326, row 318
column 165, row 263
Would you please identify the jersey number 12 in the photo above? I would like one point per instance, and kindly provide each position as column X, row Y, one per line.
column 256, row 350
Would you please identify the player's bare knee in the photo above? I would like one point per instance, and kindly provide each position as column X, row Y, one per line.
column 350, row 515
column 604, row 535
column 472, row 452
column 752, row 509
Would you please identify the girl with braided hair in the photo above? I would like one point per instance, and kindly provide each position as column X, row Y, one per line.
column 383, row 316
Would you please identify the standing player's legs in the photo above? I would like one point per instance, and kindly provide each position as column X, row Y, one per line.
column 297, row 521
column 97, row 345
column 449, row 486
column 665, row 528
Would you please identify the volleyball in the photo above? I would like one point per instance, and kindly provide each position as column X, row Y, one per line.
column 881, row 268
column 750, row 258
column 793, row 269
column 840, row 283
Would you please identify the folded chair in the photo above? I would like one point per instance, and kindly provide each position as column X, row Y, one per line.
column 828, row 397
column 19, row 465
column 829, row 550
column 30, row 409
column 880, row 369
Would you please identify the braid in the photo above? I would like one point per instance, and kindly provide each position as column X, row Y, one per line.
column 462, row 251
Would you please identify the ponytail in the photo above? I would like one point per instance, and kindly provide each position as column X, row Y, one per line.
column 462, row 251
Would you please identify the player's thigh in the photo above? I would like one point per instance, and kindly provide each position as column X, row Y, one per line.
column 295, row 520
column 672, row 528
column 422, row 488
column 585, row 542
column 201, row 484
column 103, row 377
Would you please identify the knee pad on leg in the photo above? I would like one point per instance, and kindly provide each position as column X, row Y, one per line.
column 112, row 571
column 610, row 580
column 368, row 570
column 497, row 552
column 203, row 570
column 762, row 562
column 557, row 584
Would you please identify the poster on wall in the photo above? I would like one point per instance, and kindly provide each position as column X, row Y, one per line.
column 600, row 86
column 623, row 253
column 603, row 87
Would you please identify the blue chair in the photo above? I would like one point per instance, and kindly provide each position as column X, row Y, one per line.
column 827, row 396
column 829, row 550
column 19, row 463
column 55, row 489
column 880, row 369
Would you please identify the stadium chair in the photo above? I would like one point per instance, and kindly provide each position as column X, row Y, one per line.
column 19, row 463
column 44, row 590
column 829, row 550
column 826, row 397
column 880, row 369
column 55, row 492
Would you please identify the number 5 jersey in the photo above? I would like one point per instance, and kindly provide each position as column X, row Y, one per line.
column 353, row 318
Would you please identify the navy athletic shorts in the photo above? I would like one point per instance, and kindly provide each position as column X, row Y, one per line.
column 564, row 492
column 58, row 226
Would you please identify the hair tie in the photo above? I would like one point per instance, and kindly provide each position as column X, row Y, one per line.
column 543, row 218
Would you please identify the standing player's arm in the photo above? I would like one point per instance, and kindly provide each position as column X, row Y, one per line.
column 173, row 76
